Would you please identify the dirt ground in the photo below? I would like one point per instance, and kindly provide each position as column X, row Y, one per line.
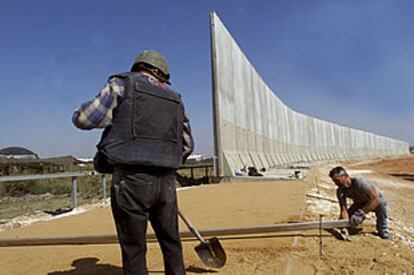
column 366, row 253
column 239, row 204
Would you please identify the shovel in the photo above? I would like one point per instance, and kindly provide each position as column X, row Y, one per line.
column 209, row 251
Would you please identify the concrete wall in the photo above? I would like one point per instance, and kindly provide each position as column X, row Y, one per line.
column 254, row 127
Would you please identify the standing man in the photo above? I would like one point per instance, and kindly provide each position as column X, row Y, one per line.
column 366, row 199
column 147, row 137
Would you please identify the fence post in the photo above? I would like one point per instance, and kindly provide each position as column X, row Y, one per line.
column 192, row 172
column 104, row 186
column 74, row 193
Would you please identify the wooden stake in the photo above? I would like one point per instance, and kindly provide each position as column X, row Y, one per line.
column 320, row 236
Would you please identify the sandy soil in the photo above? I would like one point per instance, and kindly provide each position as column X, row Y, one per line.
column 245, row 204
column 366, row 253
column 209, row 206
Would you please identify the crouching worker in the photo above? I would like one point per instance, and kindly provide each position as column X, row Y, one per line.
column 366, row 198
column 146, row 138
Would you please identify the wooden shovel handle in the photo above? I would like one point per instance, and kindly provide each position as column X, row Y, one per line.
column 191, row 227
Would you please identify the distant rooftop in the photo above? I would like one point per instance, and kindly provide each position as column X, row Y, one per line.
column 17, row 152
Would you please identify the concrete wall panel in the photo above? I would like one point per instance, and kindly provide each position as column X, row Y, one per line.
column 254, row 127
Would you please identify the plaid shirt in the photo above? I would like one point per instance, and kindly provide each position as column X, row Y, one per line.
column 97, row 113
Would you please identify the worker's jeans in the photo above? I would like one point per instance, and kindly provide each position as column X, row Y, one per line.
column 136, row 197
column 380, row 213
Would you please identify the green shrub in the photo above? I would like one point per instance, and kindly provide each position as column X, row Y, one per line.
column 18, row 188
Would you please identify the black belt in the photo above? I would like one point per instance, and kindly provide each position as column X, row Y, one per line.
column 131, row 169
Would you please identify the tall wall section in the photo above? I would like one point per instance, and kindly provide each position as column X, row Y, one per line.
column 254, row 127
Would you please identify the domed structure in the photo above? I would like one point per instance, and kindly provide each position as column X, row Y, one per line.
column 17, row 153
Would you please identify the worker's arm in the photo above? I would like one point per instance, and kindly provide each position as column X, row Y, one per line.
column 374, row 201
column 188, row 141
column 97, row 113
column 343, row 212
column 343, row 215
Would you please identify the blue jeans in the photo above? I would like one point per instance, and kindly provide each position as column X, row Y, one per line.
column 380, row 213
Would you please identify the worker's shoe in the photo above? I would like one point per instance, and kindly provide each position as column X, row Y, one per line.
column 354, row 230
column 383, row 234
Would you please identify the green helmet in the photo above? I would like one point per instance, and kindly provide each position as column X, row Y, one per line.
column 154, row 59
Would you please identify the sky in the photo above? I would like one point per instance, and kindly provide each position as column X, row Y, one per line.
column 349, row 62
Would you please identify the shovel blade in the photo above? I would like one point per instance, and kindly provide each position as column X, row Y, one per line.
column 211, row 253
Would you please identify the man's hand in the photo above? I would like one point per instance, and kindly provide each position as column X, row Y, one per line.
column 357, row 218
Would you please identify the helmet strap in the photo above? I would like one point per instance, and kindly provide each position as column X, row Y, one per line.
column 153, row 71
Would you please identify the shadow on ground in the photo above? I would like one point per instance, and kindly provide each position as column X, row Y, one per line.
column 406, row 176
column 196, row 269
column 90, row 266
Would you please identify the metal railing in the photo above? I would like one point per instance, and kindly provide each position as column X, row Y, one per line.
column 72, row 175
column 208, row 169
column 75, row 175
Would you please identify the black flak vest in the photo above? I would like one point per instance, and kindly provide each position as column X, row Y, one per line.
column 147, row 125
